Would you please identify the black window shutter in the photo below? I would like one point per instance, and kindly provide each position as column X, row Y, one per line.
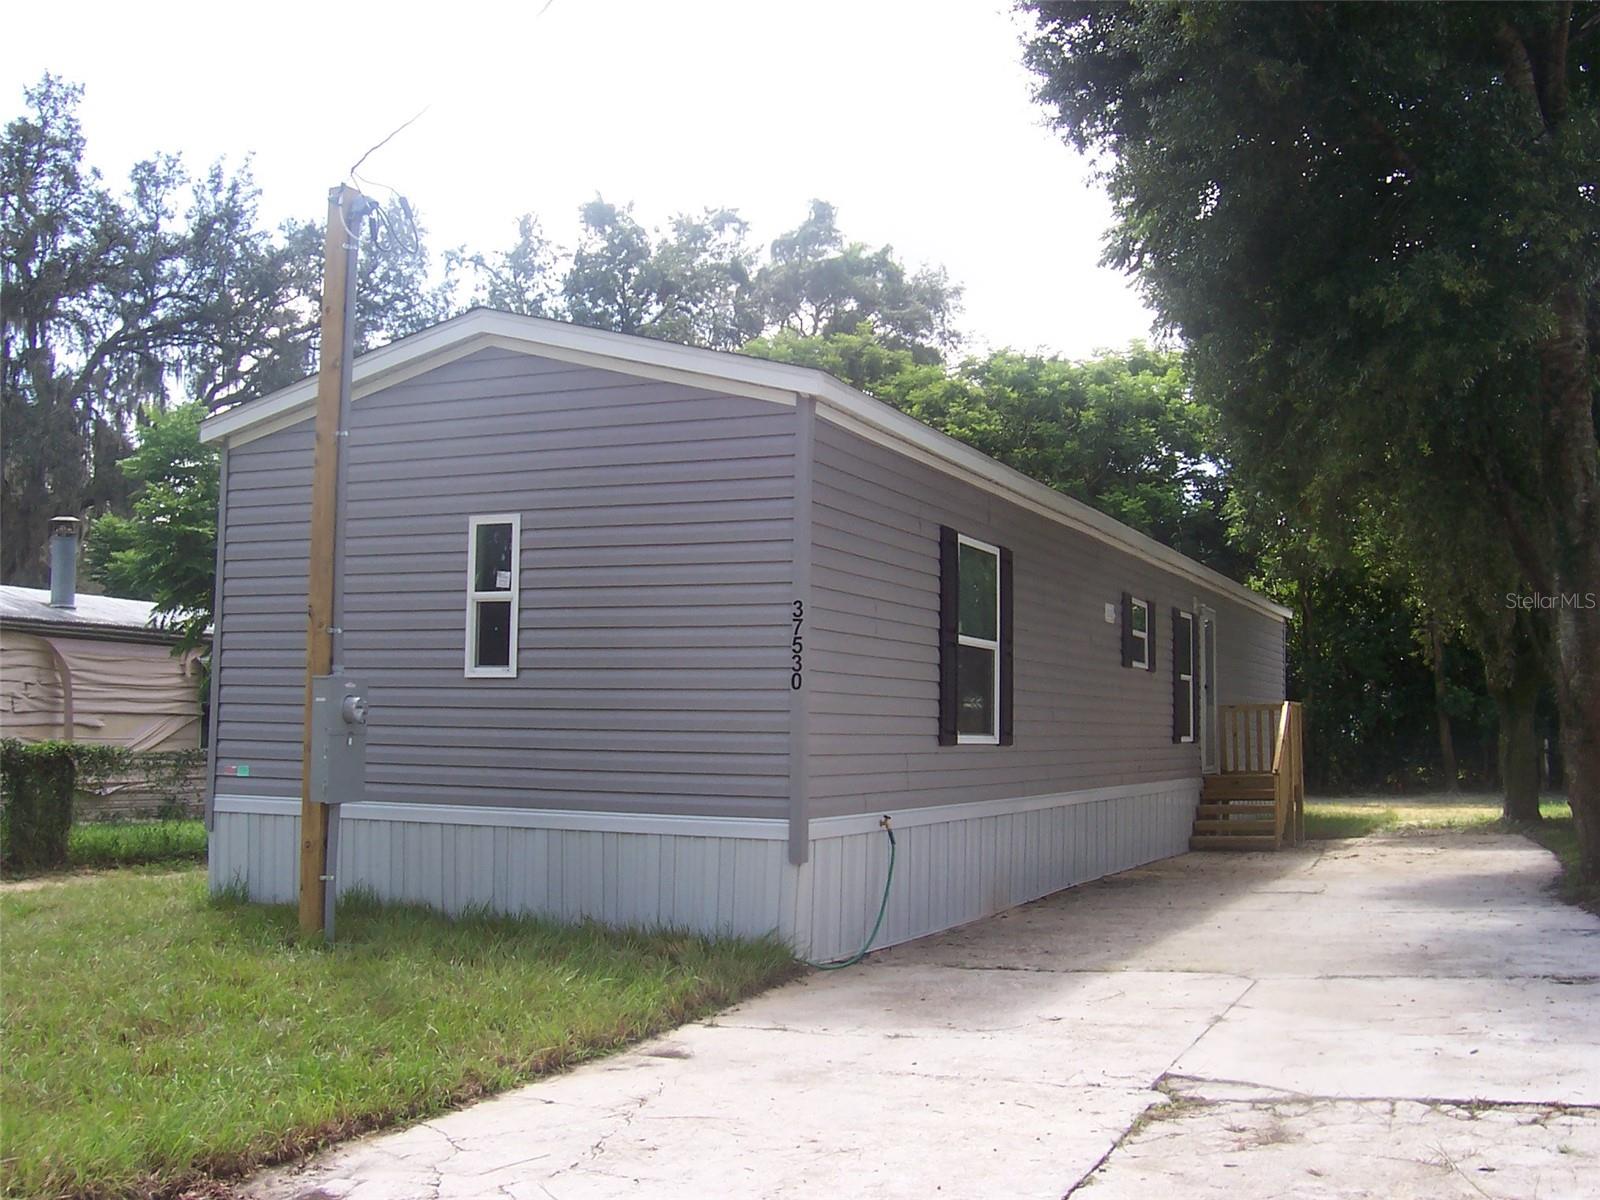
column 1007, row 730
column 1181, row 696
column 949, row 615
column 1127, row 629
column 1150, row 639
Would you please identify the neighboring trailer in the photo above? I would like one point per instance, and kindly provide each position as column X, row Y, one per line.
column 97, row 672
column 657, row 635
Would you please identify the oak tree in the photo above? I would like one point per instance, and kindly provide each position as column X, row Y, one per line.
column 1377, row 228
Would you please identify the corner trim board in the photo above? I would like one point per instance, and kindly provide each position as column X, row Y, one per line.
column 214, row 693
column 805, row 410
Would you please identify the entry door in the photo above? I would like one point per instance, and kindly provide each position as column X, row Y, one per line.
column 1208, row 691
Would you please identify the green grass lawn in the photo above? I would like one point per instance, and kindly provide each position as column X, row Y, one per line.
column 153, row 1036
column 1357, row 816
column 97, row 845
column 125, row 843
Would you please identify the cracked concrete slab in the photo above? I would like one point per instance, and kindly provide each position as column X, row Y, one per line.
column 1320, row 1149
column 1512, row 1040
column 1307, row 1023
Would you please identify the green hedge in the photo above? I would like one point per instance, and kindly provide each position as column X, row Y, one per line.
column 35, row 813
column 37, row 782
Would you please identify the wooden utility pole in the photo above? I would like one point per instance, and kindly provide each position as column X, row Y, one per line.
column 333, row 382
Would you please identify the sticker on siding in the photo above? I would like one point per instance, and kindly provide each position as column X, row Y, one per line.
column 236, row 769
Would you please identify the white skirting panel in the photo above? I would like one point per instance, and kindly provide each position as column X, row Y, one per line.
column 709, row 883
column 726, row 876
column 949, row 872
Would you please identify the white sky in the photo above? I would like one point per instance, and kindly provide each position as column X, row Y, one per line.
column 913, row 119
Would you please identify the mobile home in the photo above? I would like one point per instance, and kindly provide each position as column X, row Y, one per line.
column 657, row 635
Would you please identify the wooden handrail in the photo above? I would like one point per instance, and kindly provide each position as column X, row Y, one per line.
column 1281, row 750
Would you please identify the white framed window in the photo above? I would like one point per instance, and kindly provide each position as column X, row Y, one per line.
column 978, row 643
column 1139, row 633
column 494, row 561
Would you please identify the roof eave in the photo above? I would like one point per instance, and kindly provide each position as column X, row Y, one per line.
column 86, row 629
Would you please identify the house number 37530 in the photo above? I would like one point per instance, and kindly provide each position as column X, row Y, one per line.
column 797, row 647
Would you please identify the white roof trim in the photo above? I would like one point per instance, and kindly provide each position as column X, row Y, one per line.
column 737, row 374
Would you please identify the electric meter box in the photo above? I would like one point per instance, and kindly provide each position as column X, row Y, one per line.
column 338, row 739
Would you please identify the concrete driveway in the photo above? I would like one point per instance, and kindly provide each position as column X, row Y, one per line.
column 1394, row 1017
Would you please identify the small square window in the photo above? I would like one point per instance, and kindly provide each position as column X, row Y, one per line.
column 980, row 590
column 975, row 699
column 494, row 633
column 493, row 561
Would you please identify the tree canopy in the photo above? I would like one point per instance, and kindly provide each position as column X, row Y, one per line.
column 1132, row 432
column 1120, row 431
column 119, row 303
column 116, row 304
column 107, row 298
column 1375, row 227
column 701, row 281
column 166, row 550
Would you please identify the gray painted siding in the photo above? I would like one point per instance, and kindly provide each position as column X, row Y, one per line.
column 1250, row 654
column 1082, row 720
column 655, row 577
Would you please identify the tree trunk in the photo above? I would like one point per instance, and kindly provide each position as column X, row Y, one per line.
column 1555, row 775
column 1447, row 746
column 1580, row 753
column 1572, row 463
column 1518, row 707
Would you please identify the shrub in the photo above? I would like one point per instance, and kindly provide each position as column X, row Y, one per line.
column 36, row 788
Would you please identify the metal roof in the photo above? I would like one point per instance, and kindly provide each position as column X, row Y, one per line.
column 107, row 616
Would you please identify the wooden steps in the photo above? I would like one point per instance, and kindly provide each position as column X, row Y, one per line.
column 1236, row 812
column 1238, row 825
column 1234, row 841
column 1251, row 786
column 1256, row 801
column 1251, row 808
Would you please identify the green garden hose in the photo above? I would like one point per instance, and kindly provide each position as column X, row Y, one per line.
column 840, row 963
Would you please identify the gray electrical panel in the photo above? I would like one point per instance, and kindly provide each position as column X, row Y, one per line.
column 338, row 739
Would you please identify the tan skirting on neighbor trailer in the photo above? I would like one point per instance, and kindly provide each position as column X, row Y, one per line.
column 130, row 694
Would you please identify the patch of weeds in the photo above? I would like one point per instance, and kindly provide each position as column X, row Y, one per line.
column 1173, row 1107
column 1276, row 1133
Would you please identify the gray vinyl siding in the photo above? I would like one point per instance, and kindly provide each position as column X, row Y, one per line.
column 655, row 581
column 1082, row 720
column 1250, row 654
